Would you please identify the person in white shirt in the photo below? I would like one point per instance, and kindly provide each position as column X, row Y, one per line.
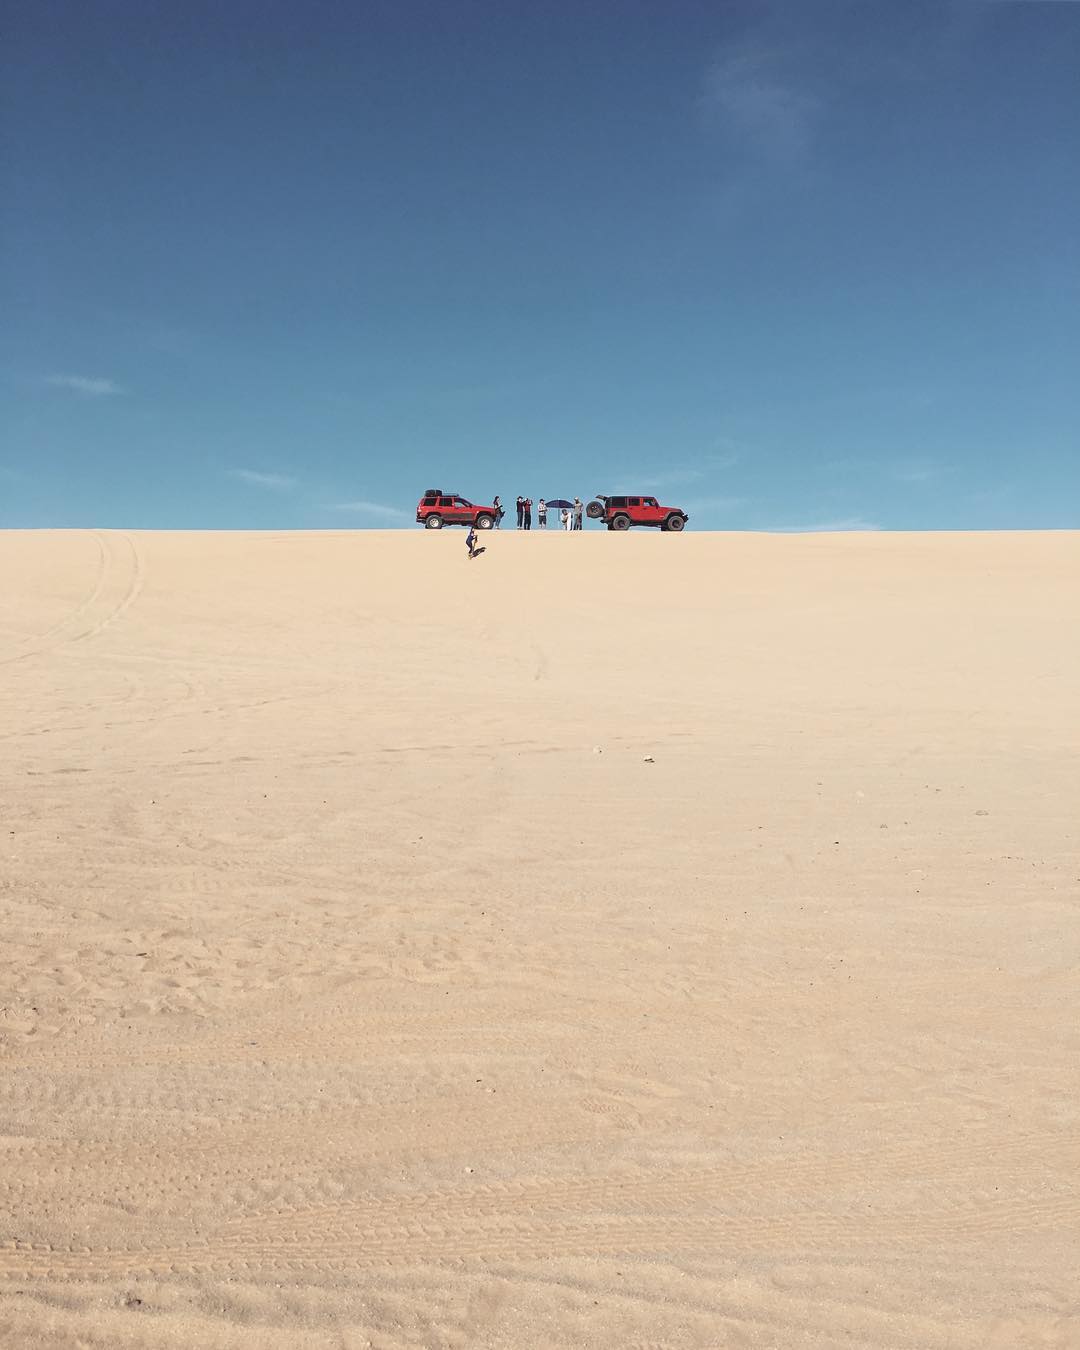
column 541, row 513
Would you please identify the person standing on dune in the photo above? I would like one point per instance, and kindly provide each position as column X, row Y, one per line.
column 521, row 511
column 578, row 509
column 528, row 513
column 541, row 513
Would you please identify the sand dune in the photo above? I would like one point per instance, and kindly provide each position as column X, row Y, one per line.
column 611, row 941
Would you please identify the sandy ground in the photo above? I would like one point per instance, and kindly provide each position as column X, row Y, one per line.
column 645, row 941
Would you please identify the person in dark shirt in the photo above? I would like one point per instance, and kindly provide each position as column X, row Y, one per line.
column 528, row 513
column 521, row 511
column 498, row 512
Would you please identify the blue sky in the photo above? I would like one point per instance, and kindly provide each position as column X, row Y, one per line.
column 786, row 265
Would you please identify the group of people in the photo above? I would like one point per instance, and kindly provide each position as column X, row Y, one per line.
column 569, row 517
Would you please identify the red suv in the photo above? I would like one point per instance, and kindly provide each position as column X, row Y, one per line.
column 619, row 513
column 437, row 508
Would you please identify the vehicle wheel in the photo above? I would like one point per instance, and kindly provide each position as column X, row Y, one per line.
column 433, row 523
column 620, row 523
column 484, row 522
column 595, row 510
column 674, row 523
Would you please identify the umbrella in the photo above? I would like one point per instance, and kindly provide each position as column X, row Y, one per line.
column 559, row 504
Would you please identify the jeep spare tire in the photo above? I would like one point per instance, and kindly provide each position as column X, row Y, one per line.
column 620, row 523
column 595, row 510
column 675, row 522
column 433, row 523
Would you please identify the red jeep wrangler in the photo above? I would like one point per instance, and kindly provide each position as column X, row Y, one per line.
column 619, row 513
column 437, row 508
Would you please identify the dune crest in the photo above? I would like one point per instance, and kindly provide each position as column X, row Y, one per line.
column 610, row 940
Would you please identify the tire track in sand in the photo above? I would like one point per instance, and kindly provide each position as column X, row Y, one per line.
column 496, row 1228
column 646, row 1211
column 42, row 640
column 117, row 585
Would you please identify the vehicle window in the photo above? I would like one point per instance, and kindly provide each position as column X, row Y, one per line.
column 617, row 501
column 460, row 501
column 650, row 501
column 430, row 501
column 446, row 501
column 635, row 501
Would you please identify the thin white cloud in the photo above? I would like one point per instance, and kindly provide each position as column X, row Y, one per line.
column 681, row 475
column 373, row 511
column 672, row 478
column 917, row 470
column 848, row 525
column 271, row 482
column 748, row 94
column 83, row 384
column 491, row 391
column 715, row 503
